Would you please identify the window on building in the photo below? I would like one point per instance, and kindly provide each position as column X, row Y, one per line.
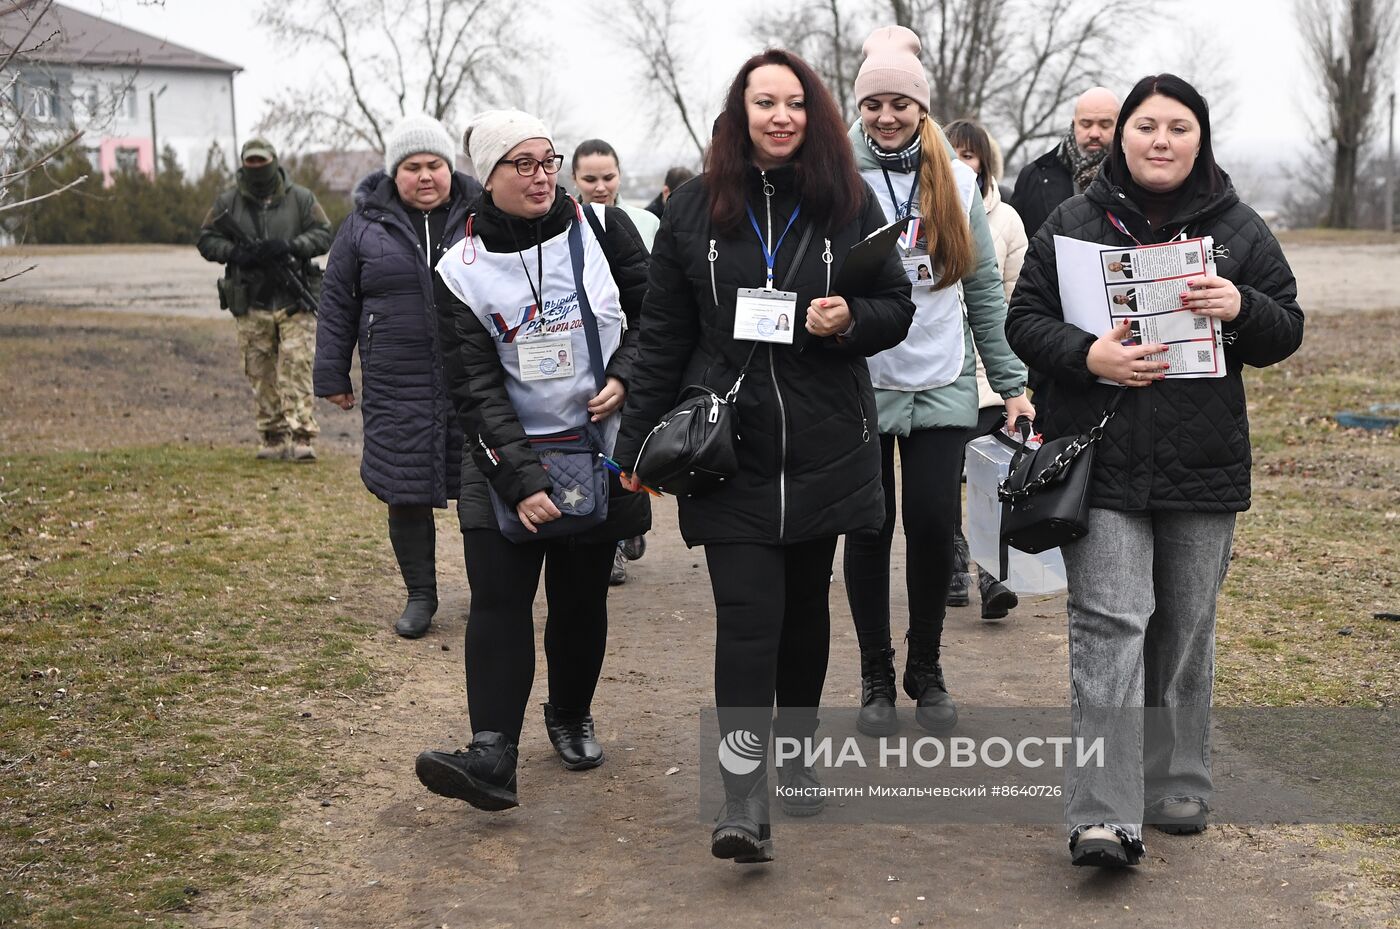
column 94, row 157
column 44, row 107
column 128, row 160
column 127, row 107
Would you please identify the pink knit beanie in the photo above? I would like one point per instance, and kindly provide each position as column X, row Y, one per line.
column 892, row 66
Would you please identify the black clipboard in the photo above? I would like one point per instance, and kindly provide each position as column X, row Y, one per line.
column 867, row 257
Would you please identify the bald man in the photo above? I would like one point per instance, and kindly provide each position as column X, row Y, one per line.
column 1068, row 168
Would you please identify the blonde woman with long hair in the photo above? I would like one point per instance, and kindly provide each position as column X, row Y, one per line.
column 925, row 387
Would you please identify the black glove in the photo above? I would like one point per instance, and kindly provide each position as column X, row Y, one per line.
column 243, row 256
column 273, row 250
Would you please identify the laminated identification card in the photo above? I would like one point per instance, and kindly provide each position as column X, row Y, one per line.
column 545, row 359
column 764, row 315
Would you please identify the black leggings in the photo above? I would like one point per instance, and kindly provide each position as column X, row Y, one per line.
column 500, row 646
column 773, row 624
column 931, row 460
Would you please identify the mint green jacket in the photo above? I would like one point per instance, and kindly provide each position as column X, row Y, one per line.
column 956, row 404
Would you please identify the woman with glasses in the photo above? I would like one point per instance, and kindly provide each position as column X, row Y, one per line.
column 540, row 311
column 765, row 231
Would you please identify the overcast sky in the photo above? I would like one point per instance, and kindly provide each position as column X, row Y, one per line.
column 1254, row 44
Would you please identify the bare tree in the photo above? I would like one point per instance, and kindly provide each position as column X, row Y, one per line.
column 654, row 31
column 391, row 59
column 1350, row 47
column 826, row 35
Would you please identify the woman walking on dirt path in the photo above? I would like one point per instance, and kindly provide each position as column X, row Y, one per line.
column 764, row 231
column 597, row 176
column 977, row 150
column 532, row 326
column 1169, row 475
column 380, row 294
column 926, row 386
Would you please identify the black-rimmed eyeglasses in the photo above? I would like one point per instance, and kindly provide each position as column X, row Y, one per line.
column 527, row 166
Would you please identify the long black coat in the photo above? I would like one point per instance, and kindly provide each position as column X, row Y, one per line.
column 477, row 378
column 378, row 294
column 1041, row 186
column 809, row 459
column 1179, row 444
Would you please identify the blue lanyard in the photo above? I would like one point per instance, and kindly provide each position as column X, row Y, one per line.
column 908, row 208
column 769, row 257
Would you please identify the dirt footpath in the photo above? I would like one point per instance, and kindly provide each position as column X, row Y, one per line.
column 625, row 844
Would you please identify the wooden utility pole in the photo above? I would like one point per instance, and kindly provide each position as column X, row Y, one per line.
column 1390, row 169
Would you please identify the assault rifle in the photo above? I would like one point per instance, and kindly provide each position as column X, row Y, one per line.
column 284, row 270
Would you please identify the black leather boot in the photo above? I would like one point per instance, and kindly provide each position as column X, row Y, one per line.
column 997, row 598
column 960, row 582
column 801, row 794
column 877, row 713
column 743, row 832
column 482, row 774
column 415, row 546
column 571, row 732
column 923, row 682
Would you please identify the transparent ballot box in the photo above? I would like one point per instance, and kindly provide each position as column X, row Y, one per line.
column 988, row 463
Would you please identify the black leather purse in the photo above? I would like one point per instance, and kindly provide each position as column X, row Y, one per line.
column 1045, row 499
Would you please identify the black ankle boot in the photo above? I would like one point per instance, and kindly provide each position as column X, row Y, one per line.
column 960, row 583
column 923, row 682
column 482, row 774
column 743, row 833
column 415, row 547
column 997, row 598
column 571, row 732
column 801, row 794
column 877, row 713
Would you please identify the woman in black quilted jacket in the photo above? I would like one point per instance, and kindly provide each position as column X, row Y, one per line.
column 538, row 339
column 1170, row 473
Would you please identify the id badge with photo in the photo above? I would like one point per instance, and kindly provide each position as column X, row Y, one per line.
column 919, row 270
column 765, row 315
column 546, row 359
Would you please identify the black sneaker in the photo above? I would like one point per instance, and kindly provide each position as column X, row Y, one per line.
column 619, row 569
column 923, row 682
column 572, row 734
column 482, row 774
column 1104, row 847
column 997, row 598
column 633, row 548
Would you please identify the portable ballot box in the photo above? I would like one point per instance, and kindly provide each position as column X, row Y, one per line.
column 988, row 463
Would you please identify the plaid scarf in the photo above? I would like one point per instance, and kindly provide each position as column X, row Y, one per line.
column 1081, row 167
column 904, row 161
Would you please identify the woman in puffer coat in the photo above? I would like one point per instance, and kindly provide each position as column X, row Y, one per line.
column 809, row 462
column 380, row 295
column 1169, row 474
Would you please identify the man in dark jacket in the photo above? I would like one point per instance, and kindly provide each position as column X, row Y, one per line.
column 674, row 178
column 1067, row 168
column 262, row 223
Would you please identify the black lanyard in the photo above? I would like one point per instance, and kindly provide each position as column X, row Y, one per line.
column 539, row 267
column 907, row 209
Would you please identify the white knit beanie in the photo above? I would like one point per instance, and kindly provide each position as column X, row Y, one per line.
column 892, row 66
column 492, row 134
column 417, row 135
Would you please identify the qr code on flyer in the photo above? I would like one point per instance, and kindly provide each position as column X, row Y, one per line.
column 1193, row 258
column 1201, row 322
column 1203, row 356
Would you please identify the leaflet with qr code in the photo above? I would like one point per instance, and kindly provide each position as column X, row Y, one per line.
column 1100, row 287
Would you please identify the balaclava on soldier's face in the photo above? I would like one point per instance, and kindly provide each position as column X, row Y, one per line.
column 262, row 179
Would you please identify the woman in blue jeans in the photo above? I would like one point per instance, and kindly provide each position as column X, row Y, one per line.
column 1171, row 472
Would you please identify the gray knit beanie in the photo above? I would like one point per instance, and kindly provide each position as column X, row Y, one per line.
column 415, row 135
column 494, row 133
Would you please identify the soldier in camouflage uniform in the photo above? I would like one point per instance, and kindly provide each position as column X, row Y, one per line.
column 278, row 338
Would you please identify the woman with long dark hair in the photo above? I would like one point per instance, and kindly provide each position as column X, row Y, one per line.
column 925, row 386
column 1169, row 474
column 769, row 222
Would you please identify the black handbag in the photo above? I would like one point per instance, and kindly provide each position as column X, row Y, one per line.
column 1045, row 498
column 693, row 448
column 574, row 459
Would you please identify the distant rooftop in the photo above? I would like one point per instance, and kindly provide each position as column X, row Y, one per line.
column 67, row 36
